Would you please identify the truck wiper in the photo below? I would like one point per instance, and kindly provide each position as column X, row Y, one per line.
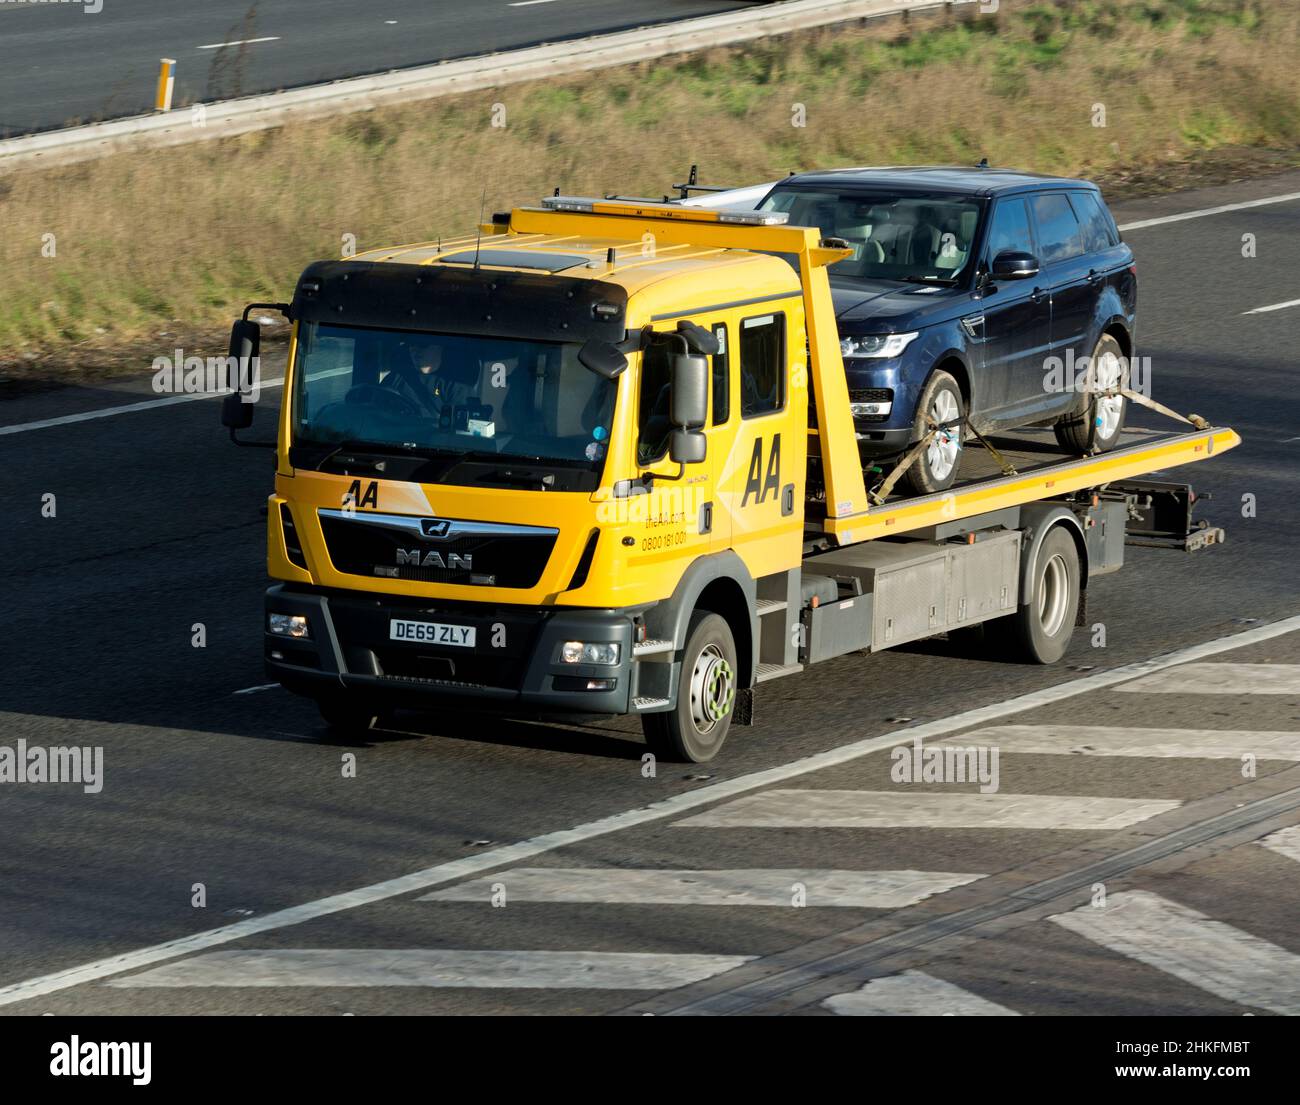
column 358, row 446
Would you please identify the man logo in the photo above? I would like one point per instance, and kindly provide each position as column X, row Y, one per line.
column 435, row 527
column 417, row 558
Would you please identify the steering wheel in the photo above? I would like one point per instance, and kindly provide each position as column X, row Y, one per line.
column 386, row 398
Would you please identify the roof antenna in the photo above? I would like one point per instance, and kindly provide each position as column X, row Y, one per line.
column 478, row 241
column 984, row 163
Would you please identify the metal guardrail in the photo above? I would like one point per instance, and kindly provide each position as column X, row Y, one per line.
column 225, row 118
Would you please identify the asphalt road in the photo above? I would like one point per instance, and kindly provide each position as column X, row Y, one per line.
column 63, row 63
column 157, row 528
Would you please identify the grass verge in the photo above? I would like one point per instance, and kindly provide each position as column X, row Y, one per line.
column 157, row 249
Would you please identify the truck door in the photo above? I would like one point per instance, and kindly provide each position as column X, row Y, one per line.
column 761, row 477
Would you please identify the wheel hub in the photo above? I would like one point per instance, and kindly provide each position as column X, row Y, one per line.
column 713, row 689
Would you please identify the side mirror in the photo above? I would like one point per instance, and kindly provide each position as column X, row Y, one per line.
column 687, row 446
column 245, row 344
column 690, row 396
column 1012, row 264
column 689, row 408
column 602, row 358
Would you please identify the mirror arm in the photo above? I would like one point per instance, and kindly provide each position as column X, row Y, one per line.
column 251, row 444
column 648, row 478
column 283, row 308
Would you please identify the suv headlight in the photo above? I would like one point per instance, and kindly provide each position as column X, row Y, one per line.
column 877, row 345
column 590, row 652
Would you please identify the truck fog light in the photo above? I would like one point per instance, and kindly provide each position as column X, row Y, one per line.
column 601, row 684
column 589, row 652
column 287, row 625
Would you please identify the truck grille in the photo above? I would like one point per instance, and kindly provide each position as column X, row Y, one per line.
column 436, row 550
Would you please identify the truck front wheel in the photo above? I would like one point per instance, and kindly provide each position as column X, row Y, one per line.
column 346, row 716
column 695, row 729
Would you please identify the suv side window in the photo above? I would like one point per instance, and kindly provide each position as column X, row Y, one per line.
column 762, row 365
column 1058, row 229
column 1010, row 229
column 1097, row 232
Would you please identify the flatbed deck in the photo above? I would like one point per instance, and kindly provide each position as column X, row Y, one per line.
column 1042, row 472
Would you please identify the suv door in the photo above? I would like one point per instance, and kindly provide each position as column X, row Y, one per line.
column 1074, row 286
column 1016, row 317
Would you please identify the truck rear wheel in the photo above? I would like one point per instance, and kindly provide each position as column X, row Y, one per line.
column 695, row 729
column 1040, row 629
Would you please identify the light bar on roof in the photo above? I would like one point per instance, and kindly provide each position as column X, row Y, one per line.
column 672, row 211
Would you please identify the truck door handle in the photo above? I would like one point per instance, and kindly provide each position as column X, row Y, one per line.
column 1094, row 277
column 1036, row 295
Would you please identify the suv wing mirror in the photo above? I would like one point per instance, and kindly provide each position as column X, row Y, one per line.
column 1013, row 264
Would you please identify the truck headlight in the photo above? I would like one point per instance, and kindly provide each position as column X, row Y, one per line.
column 288, row 625
column 877, row 345
column 589, row 652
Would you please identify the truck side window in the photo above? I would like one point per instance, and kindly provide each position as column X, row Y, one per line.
column 1058, row 229
column 762, row 365
column 721, row 377
column 1010, row 229
column 653, row 424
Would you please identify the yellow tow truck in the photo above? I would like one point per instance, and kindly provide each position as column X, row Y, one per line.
column 598, row 459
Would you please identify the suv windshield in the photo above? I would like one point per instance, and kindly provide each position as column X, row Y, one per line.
column 448, row 395
column 926, row 239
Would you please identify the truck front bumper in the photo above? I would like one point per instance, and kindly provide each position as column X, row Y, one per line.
column 514, row 666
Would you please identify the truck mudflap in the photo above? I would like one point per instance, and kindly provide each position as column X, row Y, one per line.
column 420, row 654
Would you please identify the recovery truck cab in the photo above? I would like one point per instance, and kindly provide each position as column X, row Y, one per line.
column 599, row 459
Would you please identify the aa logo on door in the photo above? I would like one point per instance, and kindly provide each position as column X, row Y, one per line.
column 763, row 479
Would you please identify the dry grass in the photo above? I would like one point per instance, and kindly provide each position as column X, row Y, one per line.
column 193, row 232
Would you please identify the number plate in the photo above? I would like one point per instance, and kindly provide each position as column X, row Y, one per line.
column 431, row 633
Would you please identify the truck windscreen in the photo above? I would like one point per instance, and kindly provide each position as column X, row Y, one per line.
column 443, row 395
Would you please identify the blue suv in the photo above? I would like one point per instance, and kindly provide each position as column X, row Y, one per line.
column 1004, row 298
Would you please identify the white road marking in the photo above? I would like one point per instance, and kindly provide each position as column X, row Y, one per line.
column 468, row 866
column 122, row 408
column 1141, row 224
column 914, row 994
column 1105, row 740
column 1273, row 307
column 238, row 42
column 1223, row 960
column 919, row 809
column 254, row 690
column 439, row 967
column 617, row 886
column 1221, row 679
column 1285, row 842
column 528, row 3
